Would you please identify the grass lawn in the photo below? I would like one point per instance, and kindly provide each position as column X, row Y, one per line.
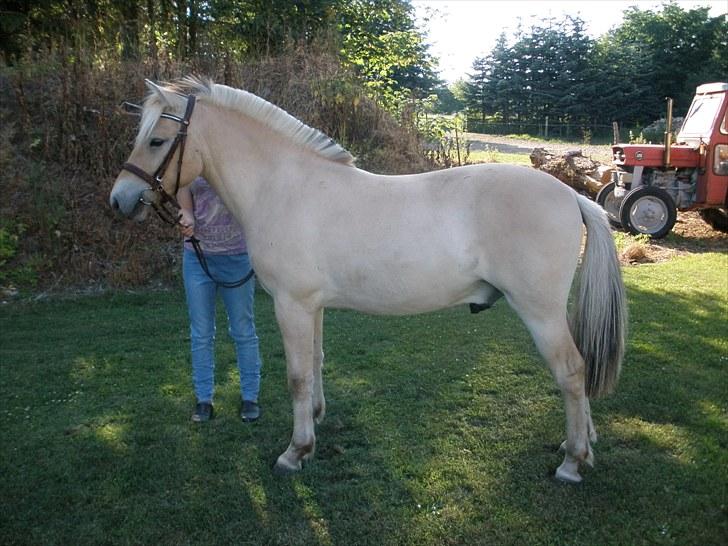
column 441, row 429
column 494, row 156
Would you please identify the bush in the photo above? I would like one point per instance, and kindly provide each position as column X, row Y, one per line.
column 655, row 131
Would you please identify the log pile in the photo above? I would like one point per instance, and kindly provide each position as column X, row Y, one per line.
column 573, row 169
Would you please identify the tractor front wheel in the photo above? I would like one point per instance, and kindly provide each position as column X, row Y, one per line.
column 648, row 210
column 610, row 204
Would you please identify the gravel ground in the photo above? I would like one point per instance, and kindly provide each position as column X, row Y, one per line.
column 602, row 154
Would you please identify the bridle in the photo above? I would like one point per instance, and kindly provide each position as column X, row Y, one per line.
column 167, row 208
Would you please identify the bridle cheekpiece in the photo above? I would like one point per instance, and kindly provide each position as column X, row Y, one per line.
column 167, row 208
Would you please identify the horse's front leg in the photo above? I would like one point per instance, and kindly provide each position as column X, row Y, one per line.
column 297, row 326
column 319, row 402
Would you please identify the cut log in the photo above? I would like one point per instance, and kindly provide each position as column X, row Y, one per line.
column 573, row 169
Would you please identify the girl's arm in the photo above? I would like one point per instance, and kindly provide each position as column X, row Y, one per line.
column 187, row 220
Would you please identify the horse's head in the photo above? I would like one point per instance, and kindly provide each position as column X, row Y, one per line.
column 164, row 158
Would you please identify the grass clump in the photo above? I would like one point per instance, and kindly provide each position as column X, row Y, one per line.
column 632, row 248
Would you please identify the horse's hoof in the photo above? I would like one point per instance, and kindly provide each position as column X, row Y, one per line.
column 282, row 470
column 567, row 476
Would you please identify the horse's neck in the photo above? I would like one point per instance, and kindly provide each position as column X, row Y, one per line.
column 232, row 160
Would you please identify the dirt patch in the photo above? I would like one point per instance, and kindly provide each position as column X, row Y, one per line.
column 692, row 234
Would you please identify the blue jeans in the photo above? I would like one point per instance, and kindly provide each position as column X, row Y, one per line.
column 201, row 299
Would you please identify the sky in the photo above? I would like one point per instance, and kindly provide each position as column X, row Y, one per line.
column 461, row 30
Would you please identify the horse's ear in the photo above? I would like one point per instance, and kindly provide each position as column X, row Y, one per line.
column 154, row 88
column 130, row 108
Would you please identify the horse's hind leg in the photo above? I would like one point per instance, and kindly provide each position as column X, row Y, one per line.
column 297, row 326
column 553, row 339
column 590, row 429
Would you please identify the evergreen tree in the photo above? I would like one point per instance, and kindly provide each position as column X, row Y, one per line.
column 476, row 88
column 681, row 48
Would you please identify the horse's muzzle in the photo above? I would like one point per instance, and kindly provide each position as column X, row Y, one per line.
column 132, row 198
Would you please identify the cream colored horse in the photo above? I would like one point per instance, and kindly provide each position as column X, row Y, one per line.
column 323, row 233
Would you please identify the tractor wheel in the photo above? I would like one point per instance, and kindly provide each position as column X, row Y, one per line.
column 648, row 210
column 716, row 218
column 606, row 199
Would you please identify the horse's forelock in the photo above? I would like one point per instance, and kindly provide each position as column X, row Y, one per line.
column 171, row 101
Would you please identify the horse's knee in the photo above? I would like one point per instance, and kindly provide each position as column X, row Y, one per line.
column 300, row 385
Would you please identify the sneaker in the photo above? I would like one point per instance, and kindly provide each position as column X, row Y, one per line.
column 203, row 412
column 249, row 411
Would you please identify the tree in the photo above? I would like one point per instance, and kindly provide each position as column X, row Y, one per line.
column 555, row 70
column 541, row 74
column 379, row 40
column 683, row 47
column 451, row 98
column 477, row 96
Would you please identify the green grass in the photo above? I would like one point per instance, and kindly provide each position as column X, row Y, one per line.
column 441, row 429
column 494, row 156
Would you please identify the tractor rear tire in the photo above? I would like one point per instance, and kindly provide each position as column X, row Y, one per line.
column 648, row 210
column 716, row 218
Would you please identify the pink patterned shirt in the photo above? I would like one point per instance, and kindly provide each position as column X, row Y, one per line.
column 218, row 231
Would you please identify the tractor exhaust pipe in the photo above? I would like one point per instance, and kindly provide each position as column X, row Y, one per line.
column 615, row 133
column 668, row 133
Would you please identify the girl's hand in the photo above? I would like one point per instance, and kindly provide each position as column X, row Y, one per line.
column 186, row 223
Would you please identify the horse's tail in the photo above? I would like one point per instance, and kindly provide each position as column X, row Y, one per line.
column 599, row 320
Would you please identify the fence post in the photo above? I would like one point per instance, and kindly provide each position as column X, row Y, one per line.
column 546, row 128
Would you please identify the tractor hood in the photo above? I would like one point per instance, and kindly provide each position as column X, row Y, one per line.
column 652, row 155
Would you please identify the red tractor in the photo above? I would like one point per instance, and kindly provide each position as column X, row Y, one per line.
column 651, row 182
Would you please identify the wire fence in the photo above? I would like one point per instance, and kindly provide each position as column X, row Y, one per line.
column 544, row 129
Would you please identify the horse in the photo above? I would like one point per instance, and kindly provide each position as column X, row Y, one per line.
column 323, row 233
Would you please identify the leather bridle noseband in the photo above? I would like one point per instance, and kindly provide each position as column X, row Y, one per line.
column 167, row 208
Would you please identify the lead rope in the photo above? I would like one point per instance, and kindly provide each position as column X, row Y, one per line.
column 203, row 262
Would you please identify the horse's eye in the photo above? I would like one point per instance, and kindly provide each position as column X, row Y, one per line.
column 156, row 142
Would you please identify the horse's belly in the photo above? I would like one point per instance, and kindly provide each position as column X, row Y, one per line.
column 405, row 296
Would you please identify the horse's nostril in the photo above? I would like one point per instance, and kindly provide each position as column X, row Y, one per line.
column 114, row 204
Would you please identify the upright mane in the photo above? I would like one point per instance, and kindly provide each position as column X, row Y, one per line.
column 250, row 105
